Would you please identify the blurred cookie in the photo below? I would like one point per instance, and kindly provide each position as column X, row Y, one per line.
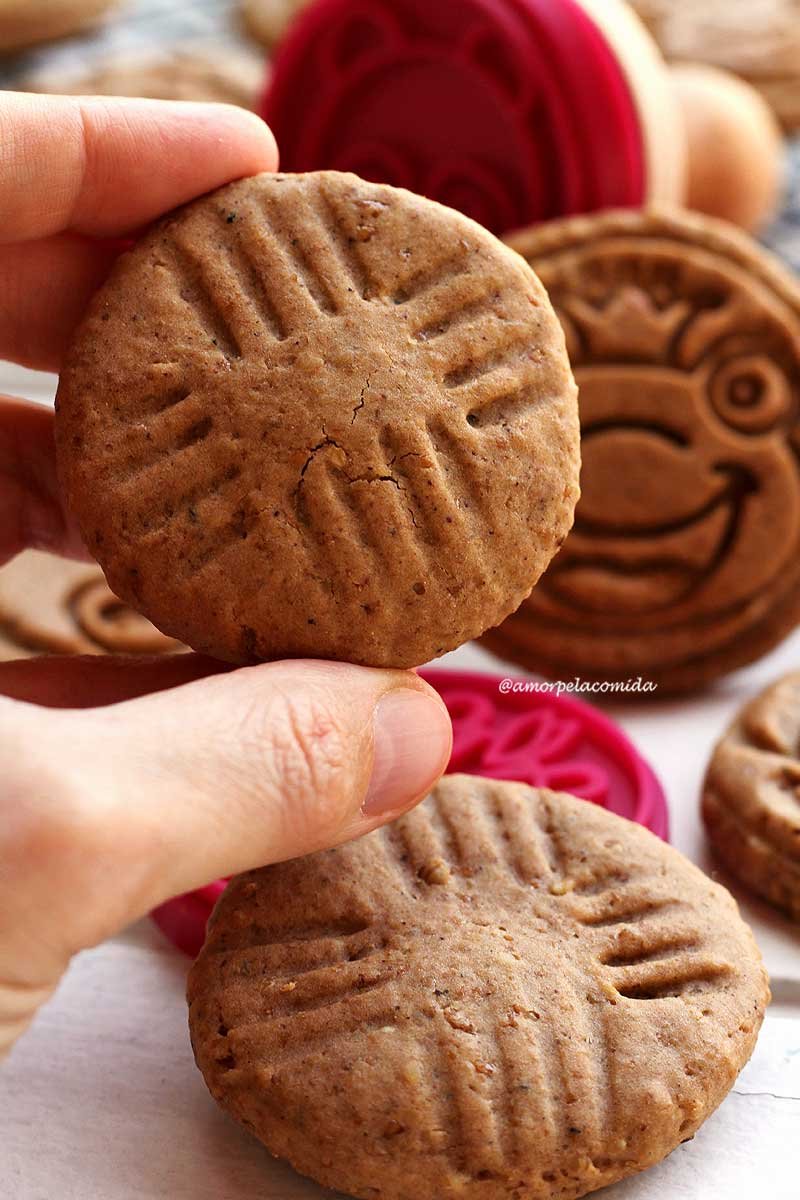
column 508, row 994
column 751, row 796
column 230, row 76
column 759, row 40
column 684, row 562
column 268, row 20
column 327, row 418
column 50, row 605
column 25, row 23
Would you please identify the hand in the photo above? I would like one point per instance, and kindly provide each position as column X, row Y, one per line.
column 125, row 783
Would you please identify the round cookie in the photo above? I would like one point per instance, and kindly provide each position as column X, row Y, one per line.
column 509, row 994
column 684, row 562
column 49, row 605
column 25, row 23
column 229, row 77
column 268, row 20
column 751, row 795
column 326, row 418
column 760, row 42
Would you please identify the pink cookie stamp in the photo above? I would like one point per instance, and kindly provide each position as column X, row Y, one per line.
column 503, row 731
column 513, row 111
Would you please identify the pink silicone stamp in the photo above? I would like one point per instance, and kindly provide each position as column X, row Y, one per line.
column 513, row 111
column 503, row 731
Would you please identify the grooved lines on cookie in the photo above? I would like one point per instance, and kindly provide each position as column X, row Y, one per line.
column 528, row 1066
column 255, row 279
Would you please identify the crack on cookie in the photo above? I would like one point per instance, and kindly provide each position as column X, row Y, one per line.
column 361, row 402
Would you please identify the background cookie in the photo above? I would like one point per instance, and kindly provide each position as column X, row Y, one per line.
column 751, row 795
column 49, row 605
column 229, row 77
column 758, row 40
column 327, row 418
column 507, row 993
column 27, row 22
column 268, row 20
column 685, row 558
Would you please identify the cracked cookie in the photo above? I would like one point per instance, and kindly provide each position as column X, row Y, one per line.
column 684, row 562
column 508, row 994
column 49, row 605
column 313, row 416
column 751, row 796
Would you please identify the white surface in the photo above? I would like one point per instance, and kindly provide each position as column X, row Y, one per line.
column 103, row 1099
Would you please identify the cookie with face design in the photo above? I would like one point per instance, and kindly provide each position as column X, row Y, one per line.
column 49, row 605
column 684, row 561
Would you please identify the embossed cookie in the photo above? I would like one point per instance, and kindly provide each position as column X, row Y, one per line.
column 327, row 418
column 229, row 77
column 509, row 994
column 268, row 20
column 49, row 605
column 759, row 41
column 751, row 795
column 684, row 561
column 27, row 22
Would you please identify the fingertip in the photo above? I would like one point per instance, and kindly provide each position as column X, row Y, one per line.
column 254, row 137
column 413, row 741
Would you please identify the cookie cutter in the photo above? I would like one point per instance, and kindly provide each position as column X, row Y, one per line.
column 504, row 730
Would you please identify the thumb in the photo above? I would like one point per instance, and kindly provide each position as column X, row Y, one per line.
column 156, row 796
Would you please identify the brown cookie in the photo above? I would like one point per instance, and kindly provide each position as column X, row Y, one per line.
column 509, row 994
column 760, row 42
column 326, row 418
column 230, row 76
column 685, row 558
column 268, row 20
column 25, row 23
column 49, row 605
column 751, row 795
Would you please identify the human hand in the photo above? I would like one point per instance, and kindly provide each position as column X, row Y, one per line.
column 125, row 782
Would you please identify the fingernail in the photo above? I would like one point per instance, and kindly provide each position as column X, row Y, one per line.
column 413, row 740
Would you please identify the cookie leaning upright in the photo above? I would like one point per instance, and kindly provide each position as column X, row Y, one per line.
column 751, row 795
column 313, row 416
column 684, row 563
column 506, row 995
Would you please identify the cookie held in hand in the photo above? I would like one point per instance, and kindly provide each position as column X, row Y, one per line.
column 313, row 416
column 684, row 562
column 509, row 994
column 751, row 796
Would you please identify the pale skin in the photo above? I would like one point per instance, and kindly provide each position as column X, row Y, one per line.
column 123, row 784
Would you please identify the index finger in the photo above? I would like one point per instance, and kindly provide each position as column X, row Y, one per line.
column 106, row 166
